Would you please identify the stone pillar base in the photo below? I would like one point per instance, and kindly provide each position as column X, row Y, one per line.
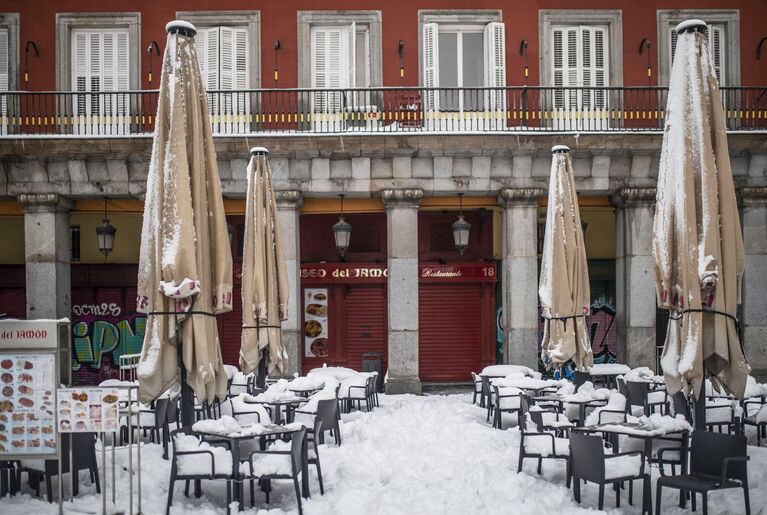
column 638, row 347
column 400, row 385
column 522, row 348
column 292, row 343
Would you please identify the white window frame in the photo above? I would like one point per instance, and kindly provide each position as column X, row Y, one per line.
column 66, row 22
column 491, row 112
column 357, row 111
column 729, row 19
column 309, row 19
column 10, row 23
column 460, row 30
column 612, row 19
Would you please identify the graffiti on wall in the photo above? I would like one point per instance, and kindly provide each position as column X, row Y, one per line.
column 603, row 330
column 101, row 333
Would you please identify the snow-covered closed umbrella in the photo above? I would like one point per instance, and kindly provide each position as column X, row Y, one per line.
column 185, row 267
column 564, row 284
column 264, row 274
column 697, row 241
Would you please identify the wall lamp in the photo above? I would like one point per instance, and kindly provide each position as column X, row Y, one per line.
column 156, row 47
column 33, row 45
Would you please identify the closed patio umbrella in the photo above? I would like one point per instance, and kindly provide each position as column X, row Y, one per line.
column 564, row 284
column 185, row 267
column 697, row 242
column 264, row 274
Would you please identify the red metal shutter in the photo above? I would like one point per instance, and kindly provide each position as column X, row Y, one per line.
column 449, row 331
column 366, row 323
column 230, row 330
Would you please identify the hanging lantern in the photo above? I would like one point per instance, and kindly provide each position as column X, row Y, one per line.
column 461, row 229
column 342, row 231
column 105, row 233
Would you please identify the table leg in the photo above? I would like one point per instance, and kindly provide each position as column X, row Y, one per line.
column 581, row 415
column 278, row 414
column 237, row 491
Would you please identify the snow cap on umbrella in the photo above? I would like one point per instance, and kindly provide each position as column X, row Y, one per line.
column 560, row 149
column 691, row 26
column 259, row 151
column 181, row 27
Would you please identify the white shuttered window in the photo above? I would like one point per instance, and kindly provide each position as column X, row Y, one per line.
column 4, row 78
column 580, row 60
column 464, row 57
column 222, row 53
column 100, row 64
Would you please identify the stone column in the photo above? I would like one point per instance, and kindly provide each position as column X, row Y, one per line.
column 634, row 278
column 47, row 250
column 289, row 203
column 402, row 238
column 754, row 304
column 519, row 275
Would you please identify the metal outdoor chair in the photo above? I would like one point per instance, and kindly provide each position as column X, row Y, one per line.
column 292, row 468
column 504, row 403
column 751, row 408
column 83, row 457
column 720, row 414
column 589, row 462
column 580, row 378
column 538, row 444
column 639, row 394
column 199, row 456
column 477, row 381
column 717, row 462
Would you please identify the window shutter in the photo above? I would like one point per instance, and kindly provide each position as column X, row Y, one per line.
column 4, row 59
column 495, row 65
column 600, row 66
column 716, row 49
column 226, row 66
column 431, row 65
column 558, row 48
column 351, row 43
column 672, row 50
column 319, row 78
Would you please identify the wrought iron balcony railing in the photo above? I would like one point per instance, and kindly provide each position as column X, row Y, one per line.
column 371, row 111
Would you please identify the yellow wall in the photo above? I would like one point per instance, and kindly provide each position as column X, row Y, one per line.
column 600, row 232
column 12, row 240
column 127, row 238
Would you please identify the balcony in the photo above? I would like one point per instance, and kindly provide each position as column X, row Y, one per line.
column 370, row 111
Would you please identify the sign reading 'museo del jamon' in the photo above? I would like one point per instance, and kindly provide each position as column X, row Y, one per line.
column 349, row 272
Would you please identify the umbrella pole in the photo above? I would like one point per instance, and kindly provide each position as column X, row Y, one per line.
column 261, row 374
column 187, row 397
column 699, row 406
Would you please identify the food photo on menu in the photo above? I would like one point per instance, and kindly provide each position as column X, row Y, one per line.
column 26, row 404
column 316, row 322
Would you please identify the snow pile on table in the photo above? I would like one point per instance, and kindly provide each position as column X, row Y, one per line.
column 244, row 412
column 504, row 370
column 309, row 382
column 654, row 425
column 615, row 403
column 202, row 463
column 519, row 380
column 338, row 373
column 609, row 369
column 228, row 426
column 641, row 375
column 275, row 393
column 587, row 393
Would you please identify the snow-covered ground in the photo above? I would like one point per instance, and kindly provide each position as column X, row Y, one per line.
column 425, row 455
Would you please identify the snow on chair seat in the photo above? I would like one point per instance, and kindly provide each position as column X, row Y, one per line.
column 546, row 445
column 199, row 458
column 629, row 465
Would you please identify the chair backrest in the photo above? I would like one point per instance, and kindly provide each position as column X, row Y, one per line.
column 524, row 408
column 297, row 449
column 708, row 451
column 477, row 382
column 537, row 417
column 682, row 406
column 161, row 411
column 327, row 413
column 622, row 386
column 486, row 389
column 637, row 393
column 587, row 457
column 580, row 378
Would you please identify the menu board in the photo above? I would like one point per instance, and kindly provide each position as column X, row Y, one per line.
column 316, row 322
column 83, row 410
column 27, row 395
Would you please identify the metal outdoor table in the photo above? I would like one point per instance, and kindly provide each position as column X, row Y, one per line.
column 582, row 405
column 235, row 438
column 304, row 392
column 278, row 404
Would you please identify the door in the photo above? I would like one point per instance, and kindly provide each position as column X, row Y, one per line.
column 580, row 69
column 222, row 53
column 450, row 331
column 100, row 64
column 230, row 329
column 366, row 323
